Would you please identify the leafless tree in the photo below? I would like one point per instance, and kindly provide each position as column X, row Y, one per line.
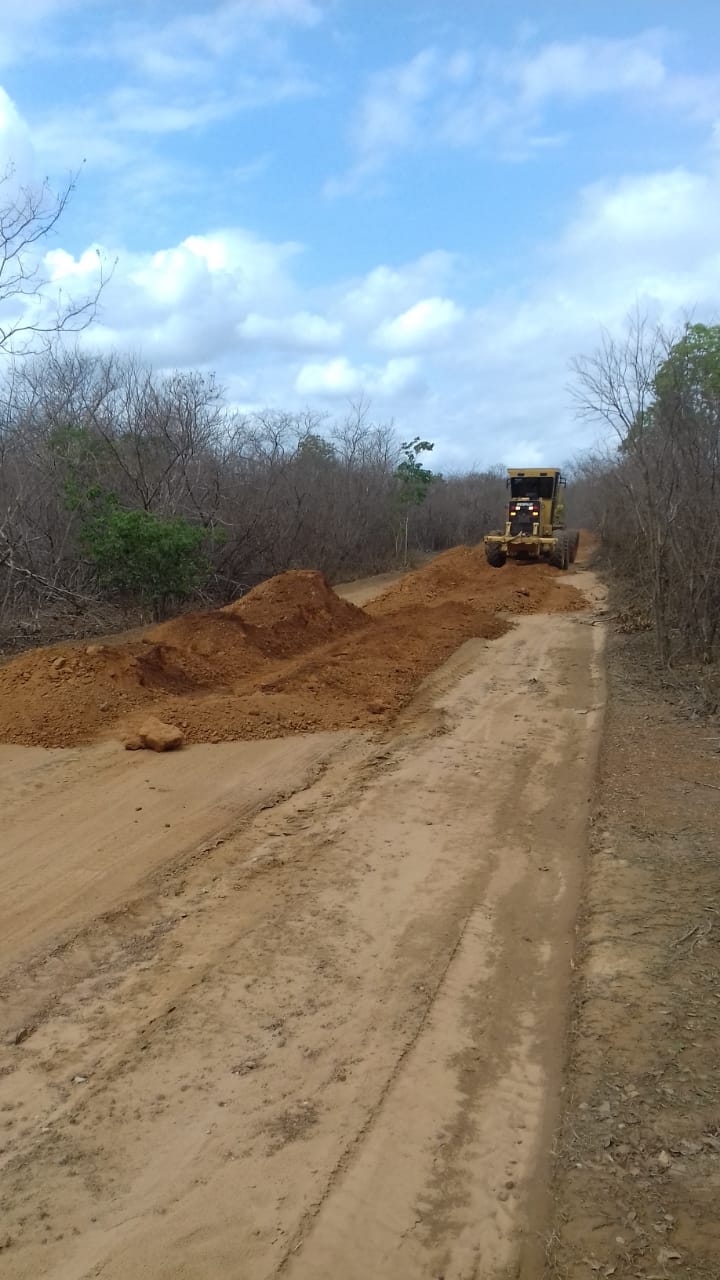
column 29, row 314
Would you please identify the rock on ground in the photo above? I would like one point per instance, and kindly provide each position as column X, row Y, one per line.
column 156, row 735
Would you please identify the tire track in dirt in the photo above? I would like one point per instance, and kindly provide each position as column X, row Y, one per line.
column 102, row 822
column 444, row 1181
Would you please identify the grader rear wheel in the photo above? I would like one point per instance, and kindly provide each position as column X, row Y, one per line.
column 573, row 543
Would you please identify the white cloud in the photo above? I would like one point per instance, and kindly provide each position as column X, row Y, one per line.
column 114, row 133
column 651, row 241
column 653, row 237
column 388, row 112
column 426, row 324
column 487, row 380
column 642, row 215
column 61, row 265
column 401, row 376
column 16, row 146
column 217, row 30
column 193, row 303
column 339, row 379
column 589, row 67
column 165, row 77
column 25, row 28
column 300, row 332
column 333, row 377
column 501, row 98
column 143, row 110
column 499, row 390
column 389, row 115
column 385, row 290
column 188, row 304
column 232, row 301
column 484, row 376
column 234, row 257
column 65, row 139
column 247, row 37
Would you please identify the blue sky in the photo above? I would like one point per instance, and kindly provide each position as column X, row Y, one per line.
column 431, row 205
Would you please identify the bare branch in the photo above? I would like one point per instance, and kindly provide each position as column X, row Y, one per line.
column 29, row 314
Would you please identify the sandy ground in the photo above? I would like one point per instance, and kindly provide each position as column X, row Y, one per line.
column 298, row 1007
column 364, row 589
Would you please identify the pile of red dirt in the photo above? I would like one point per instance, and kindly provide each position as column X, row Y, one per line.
column 463, row 573
column 282, row 617
column 67, row 694
column 289, row 657
column 356, row 681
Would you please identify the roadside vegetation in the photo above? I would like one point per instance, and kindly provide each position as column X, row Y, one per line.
column 145, row 489
column 654, row 498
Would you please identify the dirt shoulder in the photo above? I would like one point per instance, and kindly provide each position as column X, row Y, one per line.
column 637, row 1182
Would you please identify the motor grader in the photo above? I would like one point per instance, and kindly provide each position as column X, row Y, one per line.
column 535, row 521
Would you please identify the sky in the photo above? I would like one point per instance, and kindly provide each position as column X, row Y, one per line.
column 429, row 206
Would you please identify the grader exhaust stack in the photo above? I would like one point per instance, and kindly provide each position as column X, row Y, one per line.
column 535, row 521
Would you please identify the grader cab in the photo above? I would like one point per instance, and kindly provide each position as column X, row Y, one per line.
column 535, row 521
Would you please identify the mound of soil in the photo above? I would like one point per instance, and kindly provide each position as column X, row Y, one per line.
column 297, row 604
column 359, row 680
column 464, row 573
column 289, row 657
column 67, row 694
column 284, row 616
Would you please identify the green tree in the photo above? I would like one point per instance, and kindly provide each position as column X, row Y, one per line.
column 660, row 394
column 685, row 389
column 413, row 482
column 144, row 556
column 76, row 455
column 315, row 448
column 692, row 368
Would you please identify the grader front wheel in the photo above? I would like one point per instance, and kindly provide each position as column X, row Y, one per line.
column 495, row 555
column 560, row 556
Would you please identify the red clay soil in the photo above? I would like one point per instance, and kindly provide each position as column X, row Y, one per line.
column 464, row 574
column 289, row 657
column 282, row 617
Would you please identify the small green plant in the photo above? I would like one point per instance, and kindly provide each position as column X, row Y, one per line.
column 137, row 554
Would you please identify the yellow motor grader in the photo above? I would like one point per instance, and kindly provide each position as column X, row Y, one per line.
column 535, row 522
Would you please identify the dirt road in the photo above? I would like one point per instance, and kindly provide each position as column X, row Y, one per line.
column 314, row 1026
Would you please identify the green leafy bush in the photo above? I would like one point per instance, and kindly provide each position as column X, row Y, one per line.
column 141, row 555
